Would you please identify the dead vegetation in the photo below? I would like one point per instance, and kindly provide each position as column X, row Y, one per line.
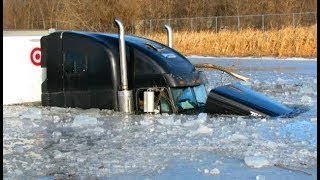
column 287, row 42
column 98, row 15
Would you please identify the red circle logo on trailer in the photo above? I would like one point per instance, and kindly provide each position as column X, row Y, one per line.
column 35, row 56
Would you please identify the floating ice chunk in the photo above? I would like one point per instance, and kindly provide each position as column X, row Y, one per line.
column 146, row 122
column 260, row 177
column 242, row 123
column 32, row 113
column 215, row 171
column 306, row 99
column 272, row 144
column 169, row 121
column 56, row 119
column 305, row 152
column 306, row 90
column 202, row 117
column 237, row 137
column 218, row 162
column 18, row 172
column 206, row 171
column 93, row 112
column 56, row 135
column 98, row 130
column 281, row 81
column 19, row 149
column 57, row 154
column 203, row 130
column 313, row 119
column 81, row 120
column 256, row 161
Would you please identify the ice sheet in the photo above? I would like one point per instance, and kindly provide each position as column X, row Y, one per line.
column 52, row 142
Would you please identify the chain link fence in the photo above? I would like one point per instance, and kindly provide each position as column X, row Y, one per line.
column 234, row 23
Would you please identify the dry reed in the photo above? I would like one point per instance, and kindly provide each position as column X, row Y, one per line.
column 287, row 42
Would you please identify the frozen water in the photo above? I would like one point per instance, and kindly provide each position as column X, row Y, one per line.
column 256, row 161
column 62, row 143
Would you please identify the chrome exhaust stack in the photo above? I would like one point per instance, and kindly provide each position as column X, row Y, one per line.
column 169, row 32
column 125, row 97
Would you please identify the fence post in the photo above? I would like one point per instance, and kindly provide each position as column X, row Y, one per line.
column 262, row 16
column 293, row 23
column 216, row 24
column 238, row 23
column 150, row 26
column 132, row 26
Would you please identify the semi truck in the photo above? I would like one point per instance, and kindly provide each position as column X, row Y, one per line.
column 132, row 74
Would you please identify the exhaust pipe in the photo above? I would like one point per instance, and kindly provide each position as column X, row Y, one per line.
column 125, row 97
column 123, row 61
column 169, row 32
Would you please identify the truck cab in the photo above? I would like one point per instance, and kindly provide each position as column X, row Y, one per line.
column 83, row 70
column 136, row 75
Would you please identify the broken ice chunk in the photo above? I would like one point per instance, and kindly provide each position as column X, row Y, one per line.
column 84, row 121
column 204, row 130
column 206, row 171
column 260, row 177
column 313, row 119
column 256, row 161
column 32, row 113
column 215, row 171
column 306, row 99
column 202, row 117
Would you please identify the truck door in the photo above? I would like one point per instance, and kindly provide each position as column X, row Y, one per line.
column 87, row 73
column 75, row 66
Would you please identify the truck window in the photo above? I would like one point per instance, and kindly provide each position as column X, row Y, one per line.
column 75, row 71
column 74, row 63
column 144, row 64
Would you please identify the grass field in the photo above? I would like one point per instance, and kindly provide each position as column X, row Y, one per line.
column 287, row 42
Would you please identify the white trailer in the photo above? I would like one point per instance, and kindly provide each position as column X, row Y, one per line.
column 22, row 72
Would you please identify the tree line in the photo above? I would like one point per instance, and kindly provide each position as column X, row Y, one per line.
column 98, row 15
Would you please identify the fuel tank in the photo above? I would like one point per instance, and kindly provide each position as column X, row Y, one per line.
column 239, row 100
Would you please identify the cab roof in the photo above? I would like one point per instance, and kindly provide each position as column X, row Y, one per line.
column 168, row 58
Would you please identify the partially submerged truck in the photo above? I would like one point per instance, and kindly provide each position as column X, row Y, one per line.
column 136, row 75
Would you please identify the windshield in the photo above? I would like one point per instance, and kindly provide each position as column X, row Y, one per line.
column 189, row 97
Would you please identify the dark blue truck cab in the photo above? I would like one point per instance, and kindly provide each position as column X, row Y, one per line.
column 83, row 70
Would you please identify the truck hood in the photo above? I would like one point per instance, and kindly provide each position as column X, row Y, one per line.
column 240, row 100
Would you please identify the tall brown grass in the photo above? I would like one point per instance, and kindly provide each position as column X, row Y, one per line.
column 287, row 42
